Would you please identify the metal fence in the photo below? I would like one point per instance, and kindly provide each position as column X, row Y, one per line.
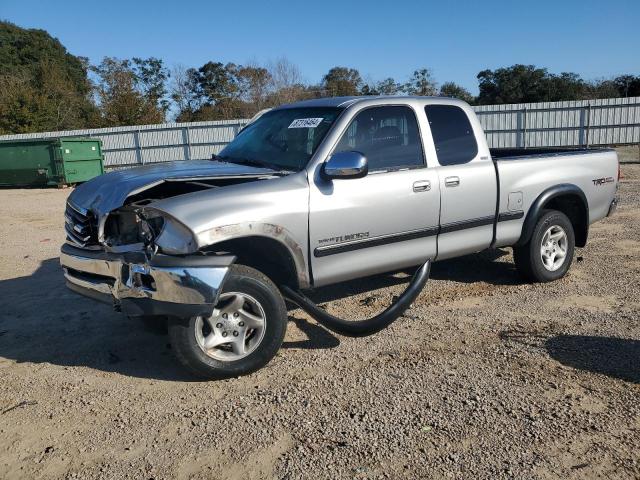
column 611, row 121
column 614, row 121
column 131, row 146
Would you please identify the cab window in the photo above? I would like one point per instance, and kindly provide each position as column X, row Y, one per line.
column 452, row 134
column 387, row 136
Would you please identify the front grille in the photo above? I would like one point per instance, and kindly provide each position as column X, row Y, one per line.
column 81, row 228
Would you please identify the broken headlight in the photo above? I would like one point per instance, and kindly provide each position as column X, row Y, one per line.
column 127, row 229
column 134, row 228
column 175, row 238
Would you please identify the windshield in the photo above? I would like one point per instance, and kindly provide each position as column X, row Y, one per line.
column 282, row 139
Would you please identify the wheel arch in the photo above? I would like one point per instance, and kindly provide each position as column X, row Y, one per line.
column 566, row 198
column 280, row 262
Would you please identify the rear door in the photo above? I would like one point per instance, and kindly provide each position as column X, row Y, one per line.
column 387, row 220
column 468, row 183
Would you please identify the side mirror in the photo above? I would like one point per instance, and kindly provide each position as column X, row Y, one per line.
column 345, row 165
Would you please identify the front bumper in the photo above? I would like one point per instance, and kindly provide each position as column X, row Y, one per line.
column 164, row 285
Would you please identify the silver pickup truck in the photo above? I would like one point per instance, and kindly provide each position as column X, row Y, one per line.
column 315, row 193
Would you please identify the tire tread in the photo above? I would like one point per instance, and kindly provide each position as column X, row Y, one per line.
column 188, row 353
column 527, row 258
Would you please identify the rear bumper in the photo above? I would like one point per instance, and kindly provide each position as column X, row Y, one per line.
column 164, row 285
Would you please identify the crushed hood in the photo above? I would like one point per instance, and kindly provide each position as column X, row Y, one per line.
column 109, row 191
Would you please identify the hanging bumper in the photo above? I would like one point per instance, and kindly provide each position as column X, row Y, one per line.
column 164, row 285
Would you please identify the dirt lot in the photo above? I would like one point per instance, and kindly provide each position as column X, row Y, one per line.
column 485, row 377
column 629, row 154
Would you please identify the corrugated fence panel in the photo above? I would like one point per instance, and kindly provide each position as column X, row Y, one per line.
column 612, row 121
column 137, row 145
column 163, row 154
column 121, row 157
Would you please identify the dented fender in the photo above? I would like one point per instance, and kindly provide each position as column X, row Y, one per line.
column 223, row 233
column 254, row 209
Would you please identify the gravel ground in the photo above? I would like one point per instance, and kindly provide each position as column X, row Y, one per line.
column 485, row 377
column 629, row 154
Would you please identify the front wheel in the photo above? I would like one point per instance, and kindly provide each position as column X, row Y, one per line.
column 549, row 253
column 243, row 334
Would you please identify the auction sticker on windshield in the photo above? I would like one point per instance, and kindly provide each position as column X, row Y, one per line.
column 306, row 122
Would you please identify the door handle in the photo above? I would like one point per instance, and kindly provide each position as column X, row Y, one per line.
column 452, row 181
column 422, row 186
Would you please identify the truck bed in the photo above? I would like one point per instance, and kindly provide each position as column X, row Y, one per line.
column 594, row 171
column 519, row 153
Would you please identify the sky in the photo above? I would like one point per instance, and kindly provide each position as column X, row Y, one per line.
column 455, row 39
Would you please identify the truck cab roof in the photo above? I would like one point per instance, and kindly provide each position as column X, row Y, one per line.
column 373, row 100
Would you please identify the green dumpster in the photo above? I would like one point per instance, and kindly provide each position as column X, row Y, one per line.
column 50, row 161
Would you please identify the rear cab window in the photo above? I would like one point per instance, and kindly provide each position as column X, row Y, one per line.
column 452, row 134
column 387, row 136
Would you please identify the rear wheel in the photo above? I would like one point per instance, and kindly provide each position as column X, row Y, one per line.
column 243, row 333
column 549, row 253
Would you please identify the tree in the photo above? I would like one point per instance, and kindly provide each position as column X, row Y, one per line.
column 254, row 84
column 527, row 83
column 224, row 109
column 284, row 74
column 566, row 86
column 42, row 86
column 515, row 84
column 287, row 85
column 124, row 99
column 217, row 81
column 151, row 80
column 342, row 81
column 19, row 112
column 421, row 83
column 388, row 86
column 184, row 92
column 453, row 90
column 601, row 89
column 58, row 99
column 217, row 91
column 627, row 85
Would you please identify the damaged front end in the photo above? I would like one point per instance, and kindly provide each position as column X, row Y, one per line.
column 142, row 228
column 138, row 285
column 148, row 264
column 122, row 250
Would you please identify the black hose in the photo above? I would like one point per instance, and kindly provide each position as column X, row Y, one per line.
column 363, row 328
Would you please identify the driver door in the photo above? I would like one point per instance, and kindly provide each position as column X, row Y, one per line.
column 385, row 221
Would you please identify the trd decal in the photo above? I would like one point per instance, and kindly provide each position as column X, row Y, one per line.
column 344, row 238
column 601, row 181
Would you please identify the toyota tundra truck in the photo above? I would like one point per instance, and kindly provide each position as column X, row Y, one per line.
column 316, row 193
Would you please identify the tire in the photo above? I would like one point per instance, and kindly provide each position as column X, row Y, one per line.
column 250, row 314
column 540, row 263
